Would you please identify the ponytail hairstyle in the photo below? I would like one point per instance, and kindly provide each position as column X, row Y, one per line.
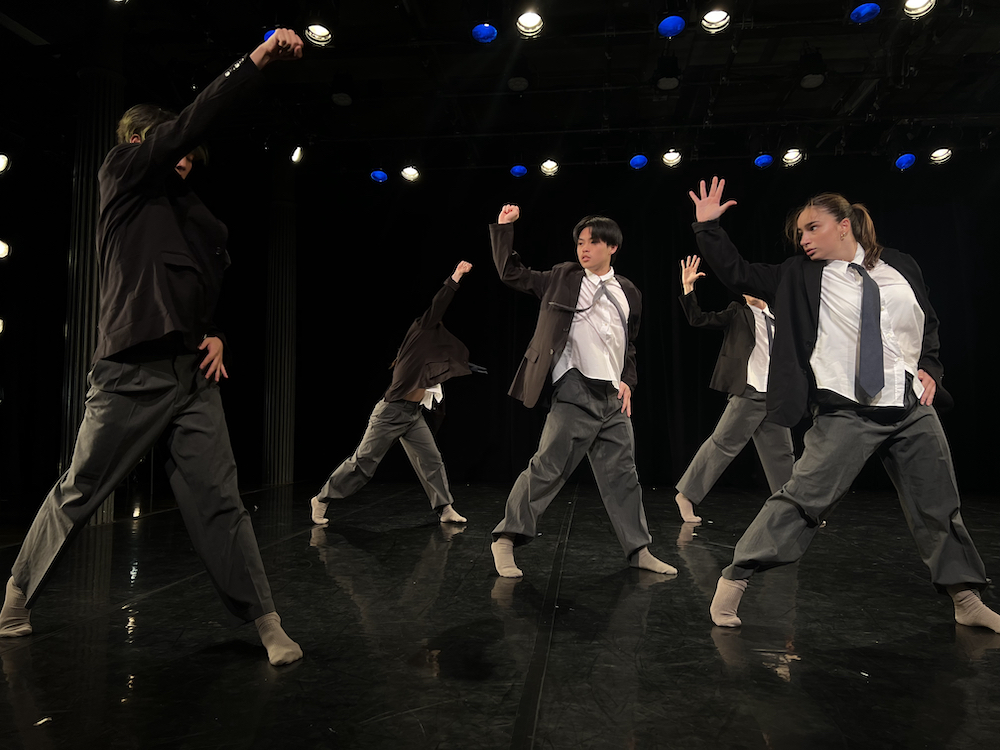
column 837, row 206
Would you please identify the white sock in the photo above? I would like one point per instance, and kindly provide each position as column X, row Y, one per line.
column 280, row 648
column 686, row 507
column 726, row 601
column 970, row 610
column 14, row 615
column 448, row 515
column 318, row 511
column 503, row 558
column 644, row 559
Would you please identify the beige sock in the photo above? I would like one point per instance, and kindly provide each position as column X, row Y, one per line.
column 280, row 648
column 503, row 558
column 644, row 560
column 448, row 515
column 686, row 507
column 14, row 615
column 727, row 601
column 970, row 610
column 318, row 511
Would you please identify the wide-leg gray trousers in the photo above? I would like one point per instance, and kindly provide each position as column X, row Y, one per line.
column 391, row 421
column 743, row 419
column 128, row 407
column 585, row 420
column 915, row 453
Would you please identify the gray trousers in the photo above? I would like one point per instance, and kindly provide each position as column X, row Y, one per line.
column 916, row 456
column 391, row 421
column 128, row 407
column 585, row 420
column 743, row 419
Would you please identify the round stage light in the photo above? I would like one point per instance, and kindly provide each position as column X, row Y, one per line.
column 940, row 155
column 918, row 8
column 715, row 21
column 905, row 161
column 297, row 154
column 549, row 167
column 517, row 84
column 638, row 161
column 529, row 25
column 342, row 99
column 269, row 34
column 519, row 170
column 671, row 157
column 866, row 12
column 763, row 161
column 4, row 163
column 1, row 325
column 4, row 249
column 484, row 33
column 410, row 173
column 792, row 157
column 319, row 34
column 670, row 26
column 378, row 175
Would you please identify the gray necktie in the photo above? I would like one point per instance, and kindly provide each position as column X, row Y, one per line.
column 602, row 288
column 871, row 369
column 769, row 325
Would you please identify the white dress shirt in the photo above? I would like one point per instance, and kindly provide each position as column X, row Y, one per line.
column 597, row 340
column 759, row 363
column 835, row 359
column 432, row 395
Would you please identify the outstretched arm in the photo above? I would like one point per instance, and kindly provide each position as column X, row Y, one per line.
column 512, row 271
column 444, row 296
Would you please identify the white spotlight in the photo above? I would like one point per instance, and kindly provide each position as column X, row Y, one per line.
column 319, row 34
column 918, row 8
column 4, row 249
column 792, row 157
column 410, row 174
column 671, row 157
column 940, row 155
column 4, row 163
column 549, row 167
column 529, row 24
column 1, row 325
column 715, row 21
column 297, row 155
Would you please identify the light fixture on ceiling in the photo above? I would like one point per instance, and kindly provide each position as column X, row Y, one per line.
column 792, row 157
column 318, row 34
column 410, row 173
column 517, row 84
column 1, row 325
column 667, row 76
column 4, row 163
column 865, row 12
column 529, row 24
column 904, row 160
column 297, row 154
column 670, row 26
column 941, row 155
column 671, row 157
column 4, row 249
column 484, row 33
column 378, row 175
column 918, row 8
column 715, row 21
column 813, row 70
column 763, row 160
column 342, row 99
column 638, row 161
column 549, row 167
column 519, row 170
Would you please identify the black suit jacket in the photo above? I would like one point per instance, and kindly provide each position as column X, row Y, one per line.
column 559, row 291
column 430, row 354
column 795, row 287
column 161, row 252
column 739, row 339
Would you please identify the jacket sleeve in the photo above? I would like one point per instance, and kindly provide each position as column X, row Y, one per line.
column 712, row 320
column 439, row 304
column 512, row 272
column 740, row 276
column 629, row 372
column 134, row 164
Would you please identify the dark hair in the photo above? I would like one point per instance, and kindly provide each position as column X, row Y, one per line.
column 837, row 206
column 602, row 229
column 140, row 120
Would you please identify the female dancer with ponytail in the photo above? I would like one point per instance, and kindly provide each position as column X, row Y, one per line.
column 858, row 351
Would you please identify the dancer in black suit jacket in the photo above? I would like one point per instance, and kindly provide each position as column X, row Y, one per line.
column 159, row 359
column 843, row 289
column 745, row 356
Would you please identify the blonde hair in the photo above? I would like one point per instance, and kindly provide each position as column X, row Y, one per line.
column 837, row 206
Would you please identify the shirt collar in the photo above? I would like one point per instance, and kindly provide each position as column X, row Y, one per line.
column 598, row 279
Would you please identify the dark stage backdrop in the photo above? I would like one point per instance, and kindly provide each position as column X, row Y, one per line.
column 371, row 256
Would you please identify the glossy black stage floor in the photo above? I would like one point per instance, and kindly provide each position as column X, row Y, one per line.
column 411, row 640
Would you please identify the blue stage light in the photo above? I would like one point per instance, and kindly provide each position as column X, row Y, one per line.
column 670, row 26
column 905, row 161
column 379, row 176
column 866, row 12
column 269, row 34
column 638, row 161
column 484, row 33
column 763, row 161
column 519, row 170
